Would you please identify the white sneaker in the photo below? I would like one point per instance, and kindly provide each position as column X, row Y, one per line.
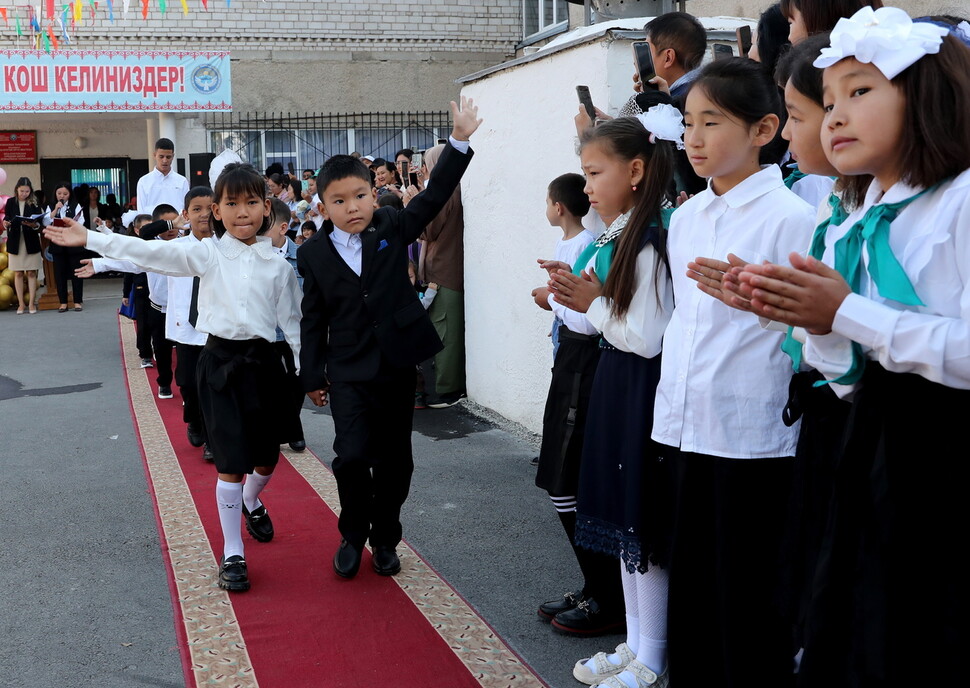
column 147, row 363
column 604, row 667
column 645, row 678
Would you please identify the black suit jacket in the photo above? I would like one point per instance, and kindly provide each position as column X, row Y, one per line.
column 31, row 236
column 349, row 322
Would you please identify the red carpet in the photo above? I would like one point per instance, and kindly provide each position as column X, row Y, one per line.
column 299, row 625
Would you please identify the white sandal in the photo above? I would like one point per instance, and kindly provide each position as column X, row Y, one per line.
column 604, row 667
column 644, row 676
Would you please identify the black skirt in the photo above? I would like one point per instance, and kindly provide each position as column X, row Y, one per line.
column 564, row 420
column 621, row 471
column 241, row 395
column 890, row 600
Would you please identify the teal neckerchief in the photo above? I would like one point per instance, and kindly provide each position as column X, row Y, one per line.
column 837, row 216
column 601, row 263
column 795, row 175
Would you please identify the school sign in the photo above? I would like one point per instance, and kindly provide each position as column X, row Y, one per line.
column 114, row 81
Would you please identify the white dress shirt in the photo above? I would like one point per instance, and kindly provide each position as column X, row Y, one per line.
column 348, row 247
column 724, row 379
column 244, row 290
column 157, row 284
column 931, row 240
column 177, row 325
column 814, row 189
column 156, row 188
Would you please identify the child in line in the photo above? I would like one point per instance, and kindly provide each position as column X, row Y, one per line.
column 624, row 288
column 566, row 206
column 722, row 387
column 889, row 328
column 135, row 287
column 245, row 289
column 427, row 292
column 364, row 331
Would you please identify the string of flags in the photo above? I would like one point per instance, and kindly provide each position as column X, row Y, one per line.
column 48, row 26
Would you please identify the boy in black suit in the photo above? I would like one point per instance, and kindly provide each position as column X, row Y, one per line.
column 363, row 332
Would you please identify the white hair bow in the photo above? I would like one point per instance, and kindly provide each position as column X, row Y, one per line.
column 219, row 163
column 664, row 122
column 885, row 38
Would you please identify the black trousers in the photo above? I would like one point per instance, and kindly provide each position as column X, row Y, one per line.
column 293, row 396
column 372, row 422
column 143, row 333
column 64, row 267
column 186, row 377
column 162, row 347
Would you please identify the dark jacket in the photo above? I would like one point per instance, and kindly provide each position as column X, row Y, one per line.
column 350, row 322
column 103, row 213
column 31, row 236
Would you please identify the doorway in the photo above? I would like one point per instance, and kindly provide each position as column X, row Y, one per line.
column 117, row 176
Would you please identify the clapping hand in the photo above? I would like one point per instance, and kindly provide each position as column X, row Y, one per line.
column 550, row 266
column 713, row 275
column 465, row 118
column 574, row 292
column 71, row 233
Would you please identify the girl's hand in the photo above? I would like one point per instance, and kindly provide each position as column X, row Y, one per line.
column 124, row 301
column 576, row 292
column 86, row 270
column 808, row 294
column 57, row 207
column 541, row 296
column 712, row 277
column 682, row 198
column 465, row 118
column 72, row 233
column 551, row 266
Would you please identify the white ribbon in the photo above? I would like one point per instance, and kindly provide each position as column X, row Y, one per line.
column 664, row 122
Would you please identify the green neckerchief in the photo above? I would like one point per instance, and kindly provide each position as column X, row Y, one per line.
column 837, row 216
column 605, row 245
column 795, row 175
column 888, row 275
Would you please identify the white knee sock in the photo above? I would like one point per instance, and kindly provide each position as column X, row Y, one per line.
column 254, row 485
column 652, row 601
column 229, row 499
column 632, row 617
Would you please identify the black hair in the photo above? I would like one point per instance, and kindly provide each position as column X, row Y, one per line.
column 161, row 209
column 24, row 181
column 165, row 144
column 823, row 15
column 238, row 180
column 341, row 167
column 64, row 185
column 111, row 199
column 627, row 139
column 308, row 225
column 392, row 200
column 407, row 152
column 278, row 178
column 141, row 218
column 296, row 188
column 567, row 189
column 682, row 32
column 772, row 39
column 279, row 213
column 197, row 192
column 744, row 91
column 275, row 168
column 310, row 171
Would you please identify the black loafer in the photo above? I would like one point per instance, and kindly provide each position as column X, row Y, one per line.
column 346, row 562
column 196, row 438
column 233, row 574
column 548, row 610
column 386, row 562
column 298, row 445
column 588, row 619
column 258, row 523
column 207, row 454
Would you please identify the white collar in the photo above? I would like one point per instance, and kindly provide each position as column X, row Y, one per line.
column 343, row 238
column 232, row 248
column 758, row 184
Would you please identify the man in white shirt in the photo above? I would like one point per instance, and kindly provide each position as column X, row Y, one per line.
column 162, row 184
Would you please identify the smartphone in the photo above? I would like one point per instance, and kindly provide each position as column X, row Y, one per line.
column 59, row 222
column 416, row 160
column 721, row 51
column 643, row 60
column 744, row 40
column 402, row 170
column 586, row 101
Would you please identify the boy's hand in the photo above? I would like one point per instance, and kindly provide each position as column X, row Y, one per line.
column 465, row 118
column 551, row 266
column 433, row 285
column 124, row 302
column 541, row 296
column 86, row 269
column 72, row 233
column 318, row 397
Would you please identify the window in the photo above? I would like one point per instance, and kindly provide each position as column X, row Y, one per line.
column 540, row 16
column 112, row 180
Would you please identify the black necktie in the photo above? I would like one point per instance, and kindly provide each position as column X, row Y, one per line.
column 194, row 303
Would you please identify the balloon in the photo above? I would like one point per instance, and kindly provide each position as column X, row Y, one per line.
column 6, row 296
column 8, row 273
column 4, row 260
column 3, row 176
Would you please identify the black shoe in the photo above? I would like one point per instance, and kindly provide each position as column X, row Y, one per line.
column 588, row 619
column 196, row 438
column 165, row 393
column 548, row 610
column 147, row 363
column 298, row 445
column 258, row 523
column 207, row 454
column 385, row 561
column 346, row 562
column 445, row 400
column 233, row 574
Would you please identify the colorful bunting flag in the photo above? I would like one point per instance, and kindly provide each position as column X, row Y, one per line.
column 144, row 9
column 111, row 11
column 20, row 31
column 185, row 7
column 163, row 5
column 3, row 11
column 50, row 9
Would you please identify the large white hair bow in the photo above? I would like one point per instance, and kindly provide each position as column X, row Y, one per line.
column 886, row 38
column 219, row 163
column 664, row 122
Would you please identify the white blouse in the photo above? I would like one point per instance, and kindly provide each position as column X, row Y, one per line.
column 931, row 240
column 724, row 379
column 244, row 290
